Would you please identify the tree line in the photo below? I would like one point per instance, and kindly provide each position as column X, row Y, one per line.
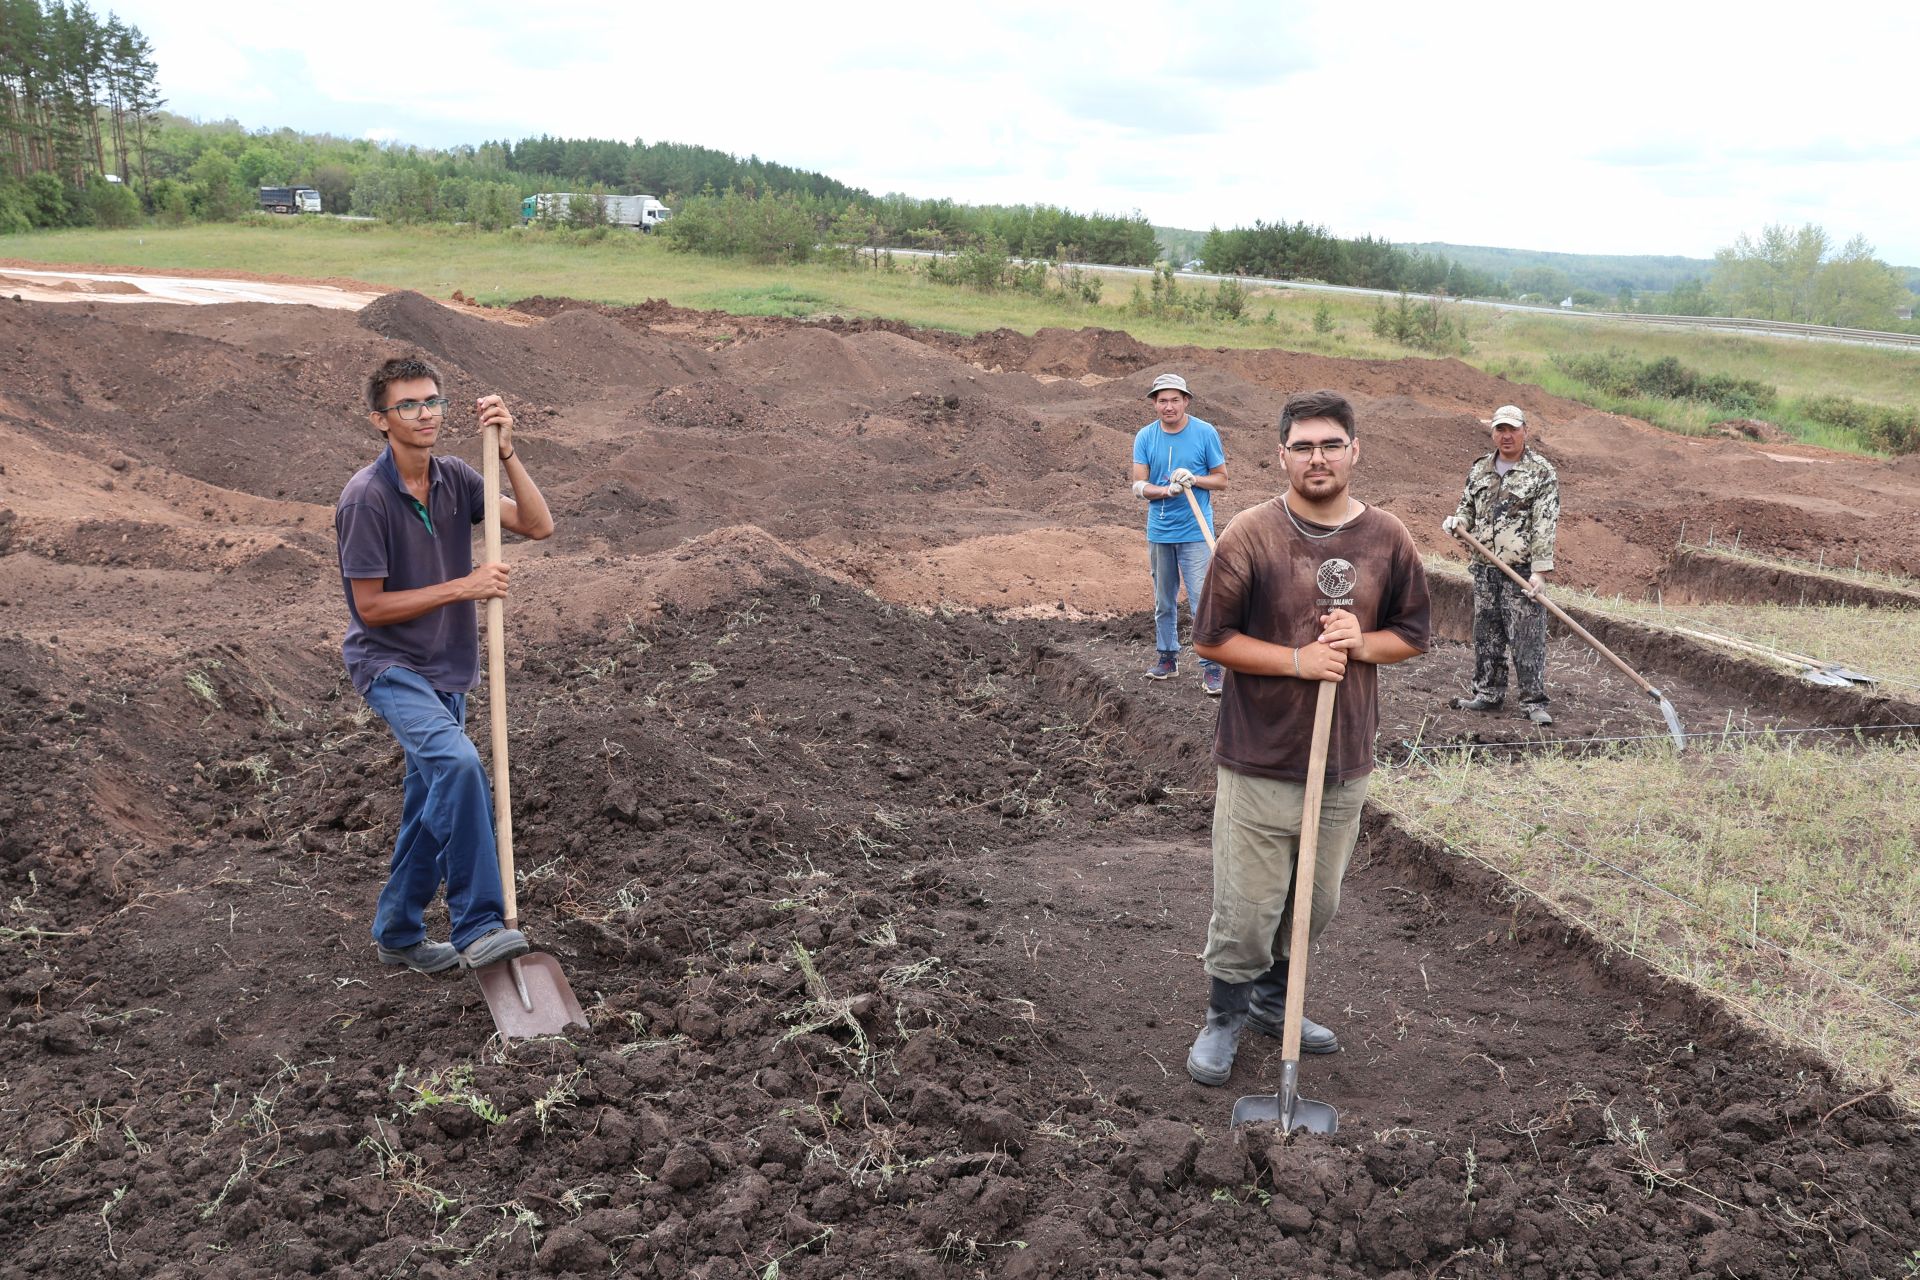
column 1301, row 251
column 74, row 90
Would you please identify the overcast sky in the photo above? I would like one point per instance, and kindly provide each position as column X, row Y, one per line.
column 1618, row 128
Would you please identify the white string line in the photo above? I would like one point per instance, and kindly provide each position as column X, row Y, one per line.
column 1691, row 905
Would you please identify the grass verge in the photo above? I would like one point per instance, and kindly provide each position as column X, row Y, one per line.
column 1780, row 877
column 622, row 268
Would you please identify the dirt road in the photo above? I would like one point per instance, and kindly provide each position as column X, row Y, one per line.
column 835, row 654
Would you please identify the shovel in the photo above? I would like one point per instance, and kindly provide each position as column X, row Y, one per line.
column 1288, row 1108
column 528, row 995
column 1666, row 708
column 1830, row 674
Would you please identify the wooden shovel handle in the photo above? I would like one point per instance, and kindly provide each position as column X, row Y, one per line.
column 1199, row 518
column 1561, row 614
column 1304, row 871
column 497, row 681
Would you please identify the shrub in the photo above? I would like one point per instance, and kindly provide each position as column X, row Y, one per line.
column 1617, row 374
column 112, row 204
column 1421, row 325
column 1885, row 428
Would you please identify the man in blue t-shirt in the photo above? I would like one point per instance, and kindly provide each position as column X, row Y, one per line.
column 405, row 532
column 1173, row 455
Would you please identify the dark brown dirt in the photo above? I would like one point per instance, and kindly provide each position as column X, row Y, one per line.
column 740, row 754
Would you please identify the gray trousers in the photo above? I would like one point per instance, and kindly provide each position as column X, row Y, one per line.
column 1505, row 620
column 1256, row 835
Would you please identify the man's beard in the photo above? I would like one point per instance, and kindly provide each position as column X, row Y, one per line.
column 1320, row 488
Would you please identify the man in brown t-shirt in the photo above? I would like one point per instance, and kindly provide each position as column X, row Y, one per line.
column 1310, row 586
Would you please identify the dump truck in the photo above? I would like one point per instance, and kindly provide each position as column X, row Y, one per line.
column 289, row 200
column 643, row 213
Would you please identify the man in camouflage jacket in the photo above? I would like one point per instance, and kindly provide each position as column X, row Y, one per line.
column 1512, row 505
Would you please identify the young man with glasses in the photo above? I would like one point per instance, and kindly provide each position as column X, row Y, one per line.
column 1309, row 587
column 1173, row 454
column 405, row 532
column 1511, row 504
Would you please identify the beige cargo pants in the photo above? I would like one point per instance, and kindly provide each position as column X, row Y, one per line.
column 1256, row 833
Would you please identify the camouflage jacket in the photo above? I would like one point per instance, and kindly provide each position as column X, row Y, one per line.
column 1515, row 516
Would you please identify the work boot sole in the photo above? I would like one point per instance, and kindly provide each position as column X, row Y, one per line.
column 1331, row 1044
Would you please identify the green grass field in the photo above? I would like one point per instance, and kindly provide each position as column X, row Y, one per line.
column 624, row 268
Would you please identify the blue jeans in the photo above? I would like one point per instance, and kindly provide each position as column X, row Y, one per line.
column 446, row 817
column 1172, row 562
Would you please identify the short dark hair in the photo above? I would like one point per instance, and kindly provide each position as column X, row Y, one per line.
column 397, row 369
column 1316, row 404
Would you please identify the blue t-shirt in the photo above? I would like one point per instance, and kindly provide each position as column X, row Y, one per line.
column 1196, row 447
column 383, row 533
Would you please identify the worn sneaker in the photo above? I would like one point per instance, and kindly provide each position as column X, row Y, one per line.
column 1163, row 669
column 492, row 948
column 1539, row 714
column 1479, row 702
column 1213, row 680
column 422, row 957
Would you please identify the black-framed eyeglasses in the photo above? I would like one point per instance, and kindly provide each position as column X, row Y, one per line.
column 1304, row 451
column 410, row 410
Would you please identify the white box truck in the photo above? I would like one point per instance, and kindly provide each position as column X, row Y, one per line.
column 643, row 213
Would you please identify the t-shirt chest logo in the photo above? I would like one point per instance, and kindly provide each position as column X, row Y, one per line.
column 1335, row 579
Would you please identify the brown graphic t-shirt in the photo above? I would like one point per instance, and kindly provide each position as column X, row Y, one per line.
column 1271, row 582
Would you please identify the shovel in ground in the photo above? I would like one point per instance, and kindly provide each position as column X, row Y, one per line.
column 1666, row 708
column 527, row 995
column 1287, row 1108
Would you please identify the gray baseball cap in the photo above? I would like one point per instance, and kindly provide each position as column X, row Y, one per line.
column 1169, row 382
column 1510, row 414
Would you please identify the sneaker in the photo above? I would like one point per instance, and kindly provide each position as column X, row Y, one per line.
column 1213, row 680
column 1539, row 714
column 1163, row 669
column 1478, row 702
column 492, row 948
column 422, row 957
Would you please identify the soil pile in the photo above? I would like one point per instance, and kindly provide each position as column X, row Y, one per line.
column 884, row 915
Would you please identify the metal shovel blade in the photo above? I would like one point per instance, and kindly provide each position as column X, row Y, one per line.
column 1673, row 721
column 529, row 996
column 1287, row 1108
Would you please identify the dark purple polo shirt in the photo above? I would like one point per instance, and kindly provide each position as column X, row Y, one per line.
column 384, row 534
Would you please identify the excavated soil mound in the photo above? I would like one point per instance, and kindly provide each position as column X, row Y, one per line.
column 877, row 867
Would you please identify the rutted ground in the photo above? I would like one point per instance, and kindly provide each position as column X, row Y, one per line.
column 884, row 915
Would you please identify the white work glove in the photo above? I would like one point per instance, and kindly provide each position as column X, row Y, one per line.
column 1452, row 525
column 1535, row 585
column 1180, row 479
column 1175, row 488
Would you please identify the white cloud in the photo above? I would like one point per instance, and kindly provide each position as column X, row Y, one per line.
column 1634, row 127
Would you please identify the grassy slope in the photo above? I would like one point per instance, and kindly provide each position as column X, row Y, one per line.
column 625, row 268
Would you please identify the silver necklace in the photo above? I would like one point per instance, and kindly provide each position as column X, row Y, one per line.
column 1317, row 536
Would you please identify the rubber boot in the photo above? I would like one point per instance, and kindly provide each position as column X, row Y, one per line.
column 1267, row 1013
column 1211, row 1059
